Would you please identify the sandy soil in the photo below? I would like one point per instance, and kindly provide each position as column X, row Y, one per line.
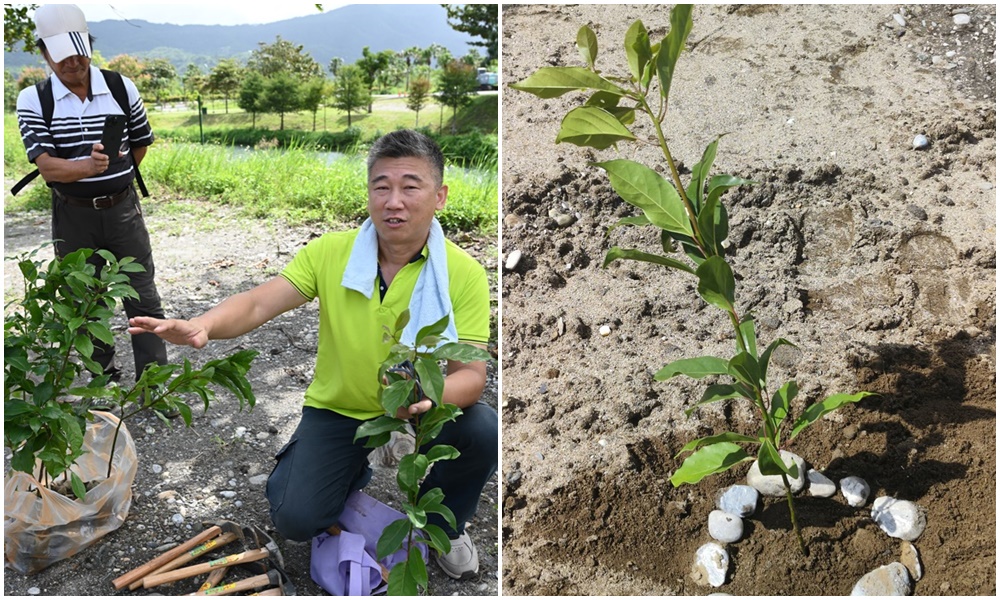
column 203, row 254
column 876, row 259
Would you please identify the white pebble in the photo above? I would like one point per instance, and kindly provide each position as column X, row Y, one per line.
column 33, row 591
column 899, row 19
column 240, row 432
column 773, row 485
column 855, row 490
column 739, row 500
column 261, row 435
column 157, row 469
column 603, row 443
column 900, row 519
column 177, row 519
column 238, row 503
column 605, row 330
column 725, row 527
column 820, row 485
column 920, row 142
column 711, row 565
column 962, row 19
column 258, row 479
column 229, row 494
column 890, row 580
column 512, row 260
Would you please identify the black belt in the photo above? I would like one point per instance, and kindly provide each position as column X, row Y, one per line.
column 98, row 203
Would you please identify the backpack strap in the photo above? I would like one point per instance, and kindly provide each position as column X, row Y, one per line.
column 120, row 94
column 44, row 88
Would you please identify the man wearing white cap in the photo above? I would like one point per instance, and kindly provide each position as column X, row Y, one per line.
column 94, row 202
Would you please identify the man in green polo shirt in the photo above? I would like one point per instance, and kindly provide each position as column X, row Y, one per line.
column 364, row 278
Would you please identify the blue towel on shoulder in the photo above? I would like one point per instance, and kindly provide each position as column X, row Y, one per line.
column 430, row 300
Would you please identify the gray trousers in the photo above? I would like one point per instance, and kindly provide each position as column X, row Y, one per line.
column 121, row 231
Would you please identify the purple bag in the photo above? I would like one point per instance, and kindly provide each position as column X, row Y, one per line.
column 344, row 564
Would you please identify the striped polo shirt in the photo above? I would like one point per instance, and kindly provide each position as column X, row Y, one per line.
column 76, row 127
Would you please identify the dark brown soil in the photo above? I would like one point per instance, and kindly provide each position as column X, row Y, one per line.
column 876, row 260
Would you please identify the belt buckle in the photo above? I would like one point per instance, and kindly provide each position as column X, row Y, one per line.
column 95, row 200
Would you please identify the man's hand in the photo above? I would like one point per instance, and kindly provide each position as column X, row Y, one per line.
column 175, row 331
column 100, row 159
column 417, row 408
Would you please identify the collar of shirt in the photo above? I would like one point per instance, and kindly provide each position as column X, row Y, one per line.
column 382, row 287
column 97, row 85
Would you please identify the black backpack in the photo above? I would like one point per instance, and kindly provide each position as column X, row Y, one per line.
column 45, row 97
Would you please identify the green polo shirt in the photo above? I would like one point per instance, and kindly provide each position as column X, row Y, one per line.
column 351, row 327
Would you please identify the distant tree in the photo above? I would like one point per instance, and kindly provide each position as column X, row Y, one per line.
column 127, row 65
column 335, row 63
column 282, row 94
column 251, row 98
column 193, row 80
column 437, row 53
column 411, row 56
column 473, row 58
column 350, row 92
column 97, row 59
column 313, row 92
column 10, row 91
column 18, row 27
column 419, row 94
column 456, row 87
column 370, row 65
column 283, row 56
column 225, row 79
column 158, row 74
column 478, row 20
column 30, row 76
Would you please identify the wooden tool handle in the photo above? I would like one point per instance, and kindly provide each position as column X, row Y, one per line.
column 140, row 572
column 239, row 586
column 184, row 559
column 214, row 578
column 232, row 559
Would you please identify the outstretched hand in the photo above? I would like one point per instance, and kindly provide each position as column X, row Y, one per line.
column 175, row 331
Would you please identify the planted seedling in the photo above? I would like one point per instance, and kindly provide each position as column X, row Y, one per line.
column 690, row 218
column 48, row 345
column 409, row 374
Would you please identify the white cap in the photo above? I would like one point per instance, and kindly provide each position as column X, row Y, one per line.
column 64, row 30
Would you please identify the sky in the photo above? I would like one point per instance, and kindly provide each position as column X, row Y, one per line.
column 205, row 13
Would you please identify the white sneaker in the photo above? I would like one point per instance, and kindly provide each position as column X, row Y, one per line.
column 463, row 561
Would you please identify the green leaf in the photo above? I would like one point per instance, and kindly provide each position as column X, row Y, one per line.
column 715, row 393
column 412, row 469
column 716, row 439
column 646, row 189
column 416, row 567
column 586, row 43
column 13, row 408
column 442, row 452
column 430, row 378
column 672, row 45
column 638, row 51
column 433, row 330
column 552, row 82
column 84, row 345
column 437, row 538
column 716, row 283
column 770, row 462
column 696, row 189
column 101, row 332
column 417, row 515
column 749, row 334
column 79, row 489
column 816, row 411
column 398, row 395
column 460, row 352
column 392, row 538
column 383, row 424
column 709, row 460
column 401, row 583
column 720, row 183
column 782, row 400
column 616, row 253
column 593, row 127
column 744, row 368
column 696, row 368
column 713, row 223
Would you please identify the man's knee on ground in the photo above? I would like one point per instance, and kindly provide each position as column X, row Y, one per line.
column 294, row 523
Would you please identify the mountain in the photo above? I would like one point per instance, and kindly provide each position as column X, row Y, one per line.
column 341, row 32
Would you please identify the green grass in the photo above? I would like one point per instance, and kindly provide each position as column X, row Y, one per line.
column 295, row 185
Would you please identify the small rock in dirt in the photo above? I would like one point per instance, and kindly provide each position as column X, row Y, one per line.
column 890, row 580
column 177, row 518
column 920, row 142
column 917, row 212
column 820, row 485
column 261, row 435
column 725, row 527
column 512, row 260
column 156, row 469
column 240, row 432
column 33, row 591
column 900, row 519
column 258, row 479
column 711, row 565
column 228, row 494
column 604, row 330
column 911, row 560
column 167, row 546
column 855, row 490
column 961, row 19
column 739, row 500
column 772, row 485
column 899, row 19
column 565, row 220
